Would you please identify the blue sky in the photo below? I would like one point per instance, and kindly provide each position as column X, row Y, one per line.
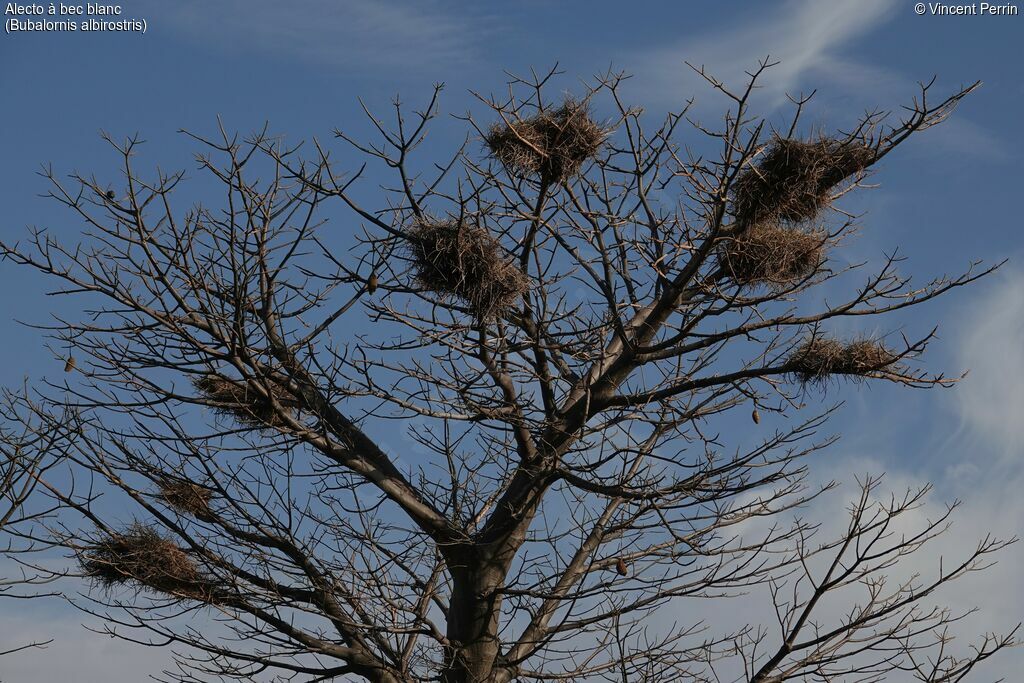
column 945, row 198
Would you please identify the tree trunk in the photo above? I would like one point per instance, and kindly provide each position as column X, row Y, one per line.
column 473, row 619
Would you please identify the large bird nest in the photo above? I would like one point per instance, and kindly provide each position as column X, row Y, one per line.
column 245, row 402
column 186, row 497
column 140, row 556
column 553, row 143
column 794, row 179
column 772, row 255
column 818, row 359
column 466, row 261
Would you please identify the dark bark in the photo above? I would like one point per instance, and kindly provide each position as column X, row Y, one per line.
column 474, row 611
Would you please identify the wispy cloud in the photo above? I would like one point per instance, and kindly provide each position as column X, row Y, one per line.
column 984, row 462
column 400, row 36
column 76, row 654
column 959, row 137
column 991, row 398
column 987, row 474
column 807, row 38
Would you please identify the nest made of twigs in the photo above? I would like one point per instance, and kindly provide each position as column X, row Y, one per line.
column 773, row 255
column 141, row 556
column 818, row 359
column 553, row 143
column 794, row 179
column 187, row 497
column 454, row 258
column 245, row 402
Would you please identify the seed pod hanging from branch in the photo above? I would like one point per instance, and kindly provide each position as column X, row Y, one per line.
column 553, row 144
column 453, row 258
column 794, row 179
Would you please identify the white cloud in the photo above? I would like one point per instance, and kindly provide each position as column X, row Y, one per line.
column 354, row 37
column 805, row 36
column 75, row 654
column 991, row 399
column 985, row 447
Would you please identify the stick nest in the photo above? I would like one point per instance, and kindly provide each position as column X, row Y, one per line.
column 818, row 359
column 553, row 144
column 451, row 257
column 245, row 402
column 773, row 255
column 187, row 497
column 794, row 179
column 140, row 556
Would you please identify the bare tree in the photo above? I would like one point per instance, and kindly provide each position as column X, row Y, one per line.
column 24, row 458
column 479, row 436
